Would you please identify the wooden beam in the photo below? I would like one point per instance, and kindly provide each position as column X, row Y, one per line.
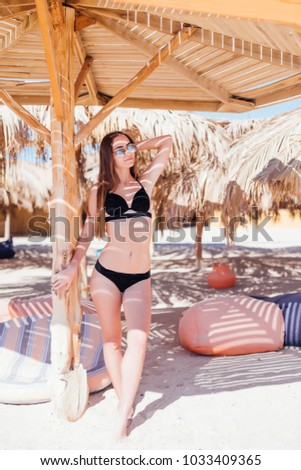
column 198, row 80
column 57, row 14
column 83, row 21
column 134, row 40
column 81, row 56
column 31, row 99
column 244, row 48
column 157, row 60
column 275, row 86
column 82, row 76
column 238, row 47
column 17, row 31
column 47, row 38
column 279, row 96
column 165, row 104
column 13, row 7
column 143, row 103
column 13, row 15
column 25, row 115
column 279, row 11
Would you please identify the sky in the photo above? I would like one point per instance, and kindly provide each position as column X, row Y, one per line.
column 266, row 112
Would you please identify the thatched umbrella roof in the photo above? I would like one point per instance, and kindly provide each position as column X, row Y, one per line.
column 264, row 166
column 189, row 193
column 194, row 137
column 26, row 184
column 29, row 186
column 237, row 128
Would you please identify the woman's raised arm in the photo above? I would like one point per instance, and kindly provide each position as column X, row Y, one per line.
column 163, row 145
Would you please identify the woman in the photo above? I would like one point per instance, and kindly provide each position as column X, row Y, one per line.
column 119, row 205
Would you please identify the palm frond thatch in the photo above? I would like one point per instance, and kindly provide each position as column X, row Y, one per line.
column 237, row 128
column 29, row 186
column 194, row 138
column 265, row 164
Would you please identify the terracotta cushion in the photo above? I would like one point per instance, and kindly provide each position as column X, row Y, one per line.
column 231, row 325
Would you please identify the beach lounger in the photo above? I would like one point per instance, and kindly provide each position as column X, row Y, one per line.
column 25, row 351
column 290, row 305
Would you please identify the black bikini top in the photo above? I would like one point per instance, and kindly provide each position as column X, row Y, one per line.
column 116, row 206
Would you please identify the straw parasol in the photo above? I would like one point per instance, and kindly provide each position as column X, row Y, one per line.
column 264, row 167
column 25, row 183
column 193, row 190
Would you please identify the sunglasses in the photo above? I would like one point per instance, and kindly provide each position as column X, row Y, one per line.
column 129, row 147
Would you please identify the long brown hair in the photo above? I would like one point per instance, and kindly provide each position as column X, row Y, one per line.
column 108, row 177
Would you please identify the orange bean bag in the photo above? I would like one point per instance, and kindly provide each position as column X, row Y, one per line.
column 231, row 325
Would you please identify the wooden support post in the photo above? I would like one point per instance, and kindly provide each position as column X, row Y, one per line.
column 64, row 210
column 52, row 60
column 25, row 115
column 165, row 52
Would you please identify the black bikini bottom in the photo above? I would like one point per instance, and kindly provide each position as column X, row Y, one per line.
column 121, row 280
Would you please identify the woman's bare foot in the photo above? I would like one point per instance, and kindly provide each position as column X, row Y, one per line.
column 121, row 423
column 120, row 427
column 131, row 412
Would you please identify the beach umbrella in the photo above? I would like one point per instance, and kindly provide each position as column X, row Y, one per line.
column 264, row 167
column 193, row 193
column 194, row 190
column 24, row 172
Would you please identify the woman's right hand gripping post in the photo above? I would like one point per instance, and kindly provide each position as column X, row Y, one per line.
column 62, row 280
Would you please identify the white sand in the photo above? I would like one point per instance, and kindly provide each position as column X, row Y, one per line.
column 185, row 401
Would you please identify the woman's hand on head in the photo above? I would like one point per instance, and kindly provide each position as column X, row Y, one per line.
column 62, row 280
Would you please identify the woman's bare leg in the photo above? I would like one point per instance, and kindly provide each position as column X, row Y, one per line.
column 107, row 300
column 137, row 310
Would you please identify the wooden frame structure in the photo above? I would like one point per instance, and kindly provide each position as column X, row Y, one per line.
column 214, row 56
